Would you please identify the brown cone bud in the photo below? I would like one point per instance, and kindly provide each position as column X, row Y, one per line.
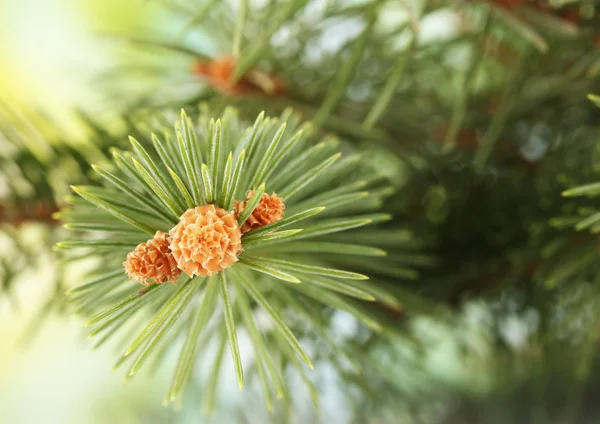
column 206, row 240
column 152, row 260
column 269, row 209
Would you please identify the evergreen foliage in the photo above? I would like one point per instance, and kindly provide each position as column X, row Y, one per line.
column 213, row 164
column 466, row 192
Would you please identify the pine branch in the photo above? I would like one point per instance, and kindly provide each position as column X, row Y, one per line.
column 256, row 220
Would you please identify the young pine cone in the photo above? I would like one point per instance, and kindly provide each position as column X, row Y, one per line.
column 269, row 209
column 219, row 74
column 206, row 240
column 152, row 260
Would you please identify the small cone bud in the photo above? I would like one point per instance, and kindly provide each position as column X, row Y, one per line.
column 152, row 261
column 269, row 209
column 219, row 72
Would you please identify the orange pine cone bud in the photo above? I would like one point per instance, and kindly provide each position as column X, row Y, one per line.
column 206, row 240
column 269, row 209
column 219, row 72
column 152, row 260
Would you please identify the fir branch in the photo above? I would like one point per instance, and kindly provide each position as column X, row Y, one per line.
column 262, row 149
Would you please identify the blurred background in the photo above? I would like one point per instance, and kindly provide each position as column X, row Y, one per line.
column 50, row 51
column 58, row 62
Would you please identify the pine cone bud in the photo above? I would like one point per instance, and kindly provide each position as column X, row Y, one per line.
column 206, row 240
column 219, row 74
column 269, row 209
column 152, row 260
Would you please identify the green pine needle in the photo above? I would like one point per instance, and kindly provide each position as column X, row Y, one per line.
column 231, row 332
column 187, row 357
column 251, row 205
